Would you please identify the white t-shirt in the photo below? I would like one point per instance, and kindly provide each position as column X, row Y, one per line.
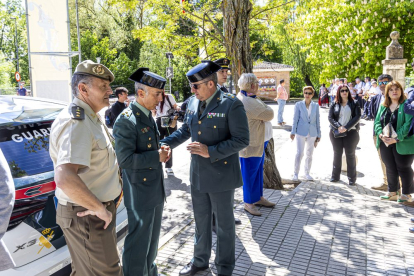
column 268, row 131
column 166, row 107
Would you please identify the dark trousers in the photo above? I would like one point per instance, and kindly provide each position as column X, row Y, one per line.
column 361, row 101
column 349, row 144
column 165, row 132
column 92, row 248
column 397, row 165
column 141, row 243
column 221, row 205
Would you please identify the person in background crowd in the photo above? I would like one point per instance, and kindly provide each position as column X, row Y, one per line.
column 281, row 99
column 218, row 126
column 177, row 96
column 140, row 157
column 345, row 81
column 22, row 91
column 396, row 152
column 307, row 130
column 360, row 97
column 376, row 102
column 352, row 90
column 365, row 94
column 341, row 81
column 323, row 96
column 6, row 207
column 259, row 116
column 332, row 93
column 344, row 116
column 331, row 85
column 161, row 110
column 222, row 74
column 374, row 90
column 87, row 174
column 122, row 102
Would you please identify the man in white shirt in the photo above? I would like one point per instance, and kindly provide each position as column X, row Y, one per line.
column 333, row 91
column 359, row 85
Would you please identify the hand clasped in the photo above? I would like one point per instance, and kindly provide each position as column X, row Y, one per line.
column 198, row 148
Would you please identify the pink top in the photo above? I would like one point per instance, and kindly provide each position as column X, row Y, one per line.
column 281, row 93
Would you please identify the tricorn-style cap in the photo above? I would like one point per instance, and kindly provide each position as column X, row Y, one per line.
column 202, row 71
column 144, row 76
column 88, row 67
column 223, row 62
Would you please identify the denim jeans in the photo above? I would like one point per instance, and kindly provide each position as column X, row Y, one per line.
column 280, row 110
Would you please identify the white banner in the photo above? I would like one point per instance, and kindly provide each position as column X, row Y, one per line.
column 49, row 46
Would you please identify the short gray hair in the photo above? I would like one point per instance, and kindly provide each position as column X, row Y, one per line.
column 141, row 86
column 80, row 78
column 246, row 80
column 385, row 76
column 212, row 77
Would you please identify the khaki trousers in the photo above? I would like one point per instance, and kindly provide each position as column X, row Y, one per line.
column 384, row 172
column 92, row 249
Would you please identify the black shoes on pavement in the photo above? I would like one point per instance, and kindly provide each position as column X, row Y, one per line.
column 190, row 269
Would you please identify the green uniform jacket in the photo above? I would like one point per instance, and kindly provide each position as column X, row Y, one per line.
column 136, row 146
column 224, row 129
column 406, row 144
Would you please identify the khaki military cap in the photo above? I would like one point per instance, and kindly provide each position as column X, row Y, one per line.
column 88, row 67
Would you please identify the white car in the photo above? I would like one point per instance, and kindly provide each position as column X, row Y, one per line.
column 33, row 238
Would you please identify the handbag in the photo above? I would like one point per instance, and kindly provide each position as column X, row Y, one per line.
column 388, row 131
column 338, row 134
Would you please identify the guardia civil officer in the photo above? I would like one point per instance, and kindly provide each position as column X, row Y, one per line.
column 217, row 125
column 222, row 74
column 86, row 174
column 139, row 156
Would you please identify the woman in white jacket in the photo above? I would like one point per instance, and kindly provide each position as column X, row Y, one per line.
column 307, row 130
column 259, row 116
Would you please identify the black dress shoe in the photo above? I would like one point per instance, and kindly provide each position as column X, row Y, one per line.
column 333, row 180
column 351, row 183
column 190, row 269
column 237, row 221
column 412, row 220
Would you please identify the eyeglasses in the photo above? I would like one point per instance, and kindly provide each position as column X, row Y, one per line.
column 344, row 91
column 196, row 85
column 307, row 93
column 383, row 82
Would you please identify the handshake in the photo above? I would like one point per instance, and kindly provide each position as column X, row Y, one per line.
column 165, row 153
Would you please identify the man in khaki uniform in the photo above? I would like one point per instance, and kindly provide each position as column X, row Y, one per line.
column 86, row 174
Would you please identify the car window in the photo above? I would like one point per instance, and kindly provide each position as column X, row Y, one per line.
column 26, row 148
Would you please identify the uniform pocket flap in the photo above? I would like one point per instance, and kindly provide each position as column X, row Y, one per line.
column 102, row 144
column 143, row 177
column 64, row 222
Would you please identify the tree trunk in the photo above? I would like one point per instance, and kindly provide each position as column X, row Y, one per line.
column 271, row 176
column 236, row 14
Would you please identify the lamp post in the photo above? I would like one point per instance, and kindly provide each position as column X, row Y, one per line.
column 15, row 42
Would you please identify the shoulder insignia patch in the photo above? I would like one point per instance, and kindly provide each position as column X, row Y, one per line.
column 77, row 112
column 228, row 95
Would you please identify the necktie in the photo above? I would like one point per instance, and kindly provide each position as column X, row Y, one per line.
column 202, row 108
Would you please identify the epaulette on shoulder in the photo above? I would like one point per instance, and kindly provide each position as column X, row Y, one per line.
column 76, row 112
column 126, row 113
column 229, row 96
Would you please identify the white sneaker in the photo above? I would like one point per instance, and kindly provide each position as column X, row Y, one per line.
column 169, row 171
column 308, row 177
column 295, row 177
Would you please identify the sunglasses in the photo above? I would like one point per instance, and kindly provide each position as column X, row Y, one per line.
column 383, row 82
column 308, row 93
column 196, row 86
column 344, row 91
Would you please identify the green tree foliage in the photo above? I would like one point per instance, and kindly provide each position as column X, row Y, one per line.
column 154, row 58
column 13, row 9
column 347, row 38
column 5, row 68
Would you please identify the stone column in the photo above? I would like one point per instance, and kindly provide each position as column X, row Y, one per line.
column 394, row 63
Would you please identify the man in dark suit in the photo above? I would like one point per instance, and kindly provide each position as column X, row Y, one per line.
column 222, row 74
column 383, row 80
column 217, row 125
column 139, row 155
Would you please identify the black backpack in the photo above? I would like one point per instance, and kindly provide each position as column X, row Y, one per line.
column 109, row 120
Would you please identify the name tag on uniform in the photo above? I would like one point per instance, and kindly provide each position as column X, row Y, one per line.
column 145, row 129
column 216, row 115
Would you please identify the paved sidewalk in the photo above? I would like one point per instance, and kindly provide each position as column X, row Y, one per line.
column 320, row 228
